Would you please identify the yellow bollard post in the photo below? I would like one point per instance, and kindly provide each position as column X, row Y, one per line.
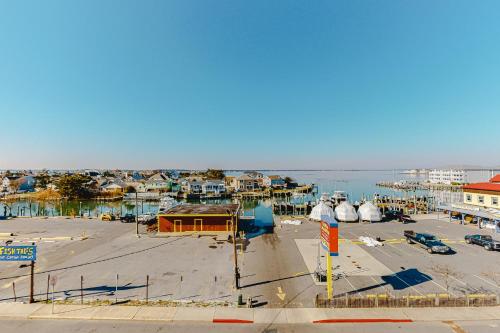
column 329, row 277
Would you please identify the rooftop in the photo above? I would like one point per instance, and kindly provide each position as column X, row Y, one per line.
column 201, row 209
column 495, row 179
column 483, row 186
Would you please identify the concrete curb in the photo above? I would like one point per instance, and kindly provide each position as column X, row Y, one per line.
column 226, row 315
column 361, row 321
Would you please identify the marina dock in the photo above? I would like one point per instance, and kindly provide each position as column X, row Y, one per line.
column 409, row 205
column 419, row 186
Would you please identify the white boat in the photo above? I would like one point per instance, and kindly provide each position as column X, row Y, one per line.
column 345, row 212
column 321, row 209
column 166, row 203
column 324, row 197
column 369, row 212
column 338, row 197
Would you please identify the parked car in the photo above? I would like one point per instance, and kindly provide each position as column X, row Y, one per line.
column 427, row 241
column 485, row 241
column 127, row 218
column 107, row 217
column 145, row 218
column 397, row 215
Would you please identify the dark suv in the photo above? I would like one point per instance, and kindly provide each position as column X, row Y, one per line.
column 485, row 241
column 127, row 218
column 397, row 215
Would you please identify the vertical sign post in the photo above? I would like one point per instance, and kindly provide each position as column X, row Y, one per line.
column 32, row 278
column 329, row 235
column 21, row 253
column 53, row 281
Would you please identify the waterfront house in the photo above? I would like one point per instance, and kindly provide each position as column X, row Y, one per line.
column 157, row 185
column 274, row 181
column 5, row 186
column 194, row 178
column 230, row 183
column 26, row 184
column 194, row 187
column 213, row 187
column 16, row 183
column 91, row 173
column 483, row 195
column 136, row 185
column 254, row 174
column 246, row 182
column 137, row 176
column 113, row 185
column 174, row 174
column 159, row 177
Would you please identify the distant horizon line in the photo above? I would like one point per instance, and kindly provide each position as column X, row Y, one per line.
column 256, row 170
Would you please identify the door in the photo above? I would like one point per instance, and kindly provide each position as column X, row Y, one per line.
column 198, row 225
column 177, row 225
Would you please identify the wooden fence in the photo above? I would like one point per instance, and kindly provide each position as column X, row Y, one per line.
column 411, row 301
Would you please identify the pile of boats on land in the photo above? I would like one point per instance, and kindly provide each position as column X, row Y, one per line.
column 344, row 211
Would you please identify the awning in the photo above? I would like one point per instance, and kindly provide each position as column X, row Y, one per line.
column 473, row 212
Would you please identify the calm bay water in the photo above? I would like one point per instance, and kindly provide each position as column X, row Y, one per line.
column 358, row 185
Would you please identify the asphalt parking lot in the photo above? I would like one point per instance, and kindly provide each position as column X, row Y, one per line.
column 283, row 263
column 469, row 269
column 180, row 268
column 276, row 269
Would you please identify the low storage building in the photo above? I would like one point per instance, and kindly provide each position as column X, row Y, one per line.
column 208, row 219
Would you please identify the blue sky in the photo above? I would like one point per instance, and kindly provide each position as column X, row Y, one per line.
column 249, row 84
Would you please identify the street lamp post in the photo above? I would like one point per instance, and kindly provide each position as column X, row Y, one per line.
column 81, row 209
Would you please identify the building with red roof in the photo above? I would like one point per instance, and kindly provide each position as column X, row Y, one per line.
column 495, row 179
column 484, row 195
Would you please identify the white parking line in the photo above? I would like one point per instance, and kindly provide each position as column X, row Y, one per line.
column 352, row 286
column 454, row 278
column 440, row 286
column 418, row 292
column 382, row 283
column 488, row 282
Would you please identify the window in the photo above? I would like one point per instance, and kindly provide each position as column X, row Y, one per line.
column 468, row 197
column 494, row 201
column 480, row 199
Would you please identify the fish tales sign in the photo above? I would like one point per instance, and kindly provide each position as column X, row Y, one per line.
column 18, row 253
column 330, row 235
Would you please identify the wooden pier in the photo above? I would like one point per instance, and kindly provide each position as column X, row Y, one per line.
column 286, row 208
column 419, row 186
column 409, row 205
column 272, row 193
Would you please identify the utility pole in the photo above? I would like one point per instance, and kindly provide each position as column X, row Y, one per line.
column 136, row 216
column 236, row 270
